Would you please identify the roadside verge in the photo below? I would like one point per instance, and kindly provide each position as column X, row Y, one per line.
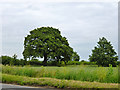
column 57, row 83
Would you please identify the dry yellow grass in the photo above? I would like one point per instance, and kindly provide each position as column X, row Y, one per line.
column 22, row 80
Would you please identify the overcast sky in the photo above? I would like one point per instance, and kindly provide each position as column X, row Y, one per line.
column 82, row 23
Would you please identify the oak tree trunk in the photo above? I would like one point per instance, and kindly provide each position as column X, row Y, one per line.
column 45, row 60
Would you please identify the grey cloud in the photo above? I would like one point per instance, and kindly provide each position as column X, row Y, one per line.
column 81, row 23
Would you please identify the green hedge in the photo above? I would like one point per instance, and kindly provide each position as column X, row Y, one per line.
column 80, row 63
column 7, row 60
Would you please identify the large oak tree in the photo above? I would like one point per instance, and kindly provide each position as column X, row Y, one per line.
column 47, row 42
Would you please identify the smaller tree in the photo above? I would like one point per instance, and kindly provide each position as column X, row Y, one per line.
column 104, row 54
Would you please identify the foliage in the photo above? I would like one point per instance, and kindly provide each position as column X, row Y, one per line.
column 35, row 62
column 104, row 54
column 47, row 42
column 79, row 72
column 57, row 83
column 118, row 62
column 6, row 60
column 110, row 72
column 75, row 57
column 80, row 63
column 73, row 63
column 22, row 62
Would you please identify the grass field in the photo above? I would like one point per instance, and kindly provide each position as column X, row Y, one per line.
column 80, row 73
column 57, row 83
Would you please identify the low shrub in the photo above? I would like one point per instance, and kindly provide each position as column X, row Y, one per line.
column 35, row 62
column 80, row 63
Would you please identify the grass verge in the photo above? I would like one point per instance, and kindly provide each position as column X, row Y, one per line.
column 23, row 80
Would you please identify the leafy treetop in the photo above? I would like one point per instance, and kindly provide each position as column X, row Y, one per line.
column 104, row 54
column 47, row 42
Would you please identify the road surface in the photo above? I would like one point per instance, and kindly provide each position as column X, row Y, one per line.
column 18, row 87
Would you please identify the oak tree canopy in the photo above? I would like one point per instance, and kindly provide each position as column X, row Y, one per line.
column 47, row 43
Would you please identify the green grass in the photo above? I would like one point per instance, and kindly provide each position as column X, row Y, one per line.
column 23, row 80
column 80, row 73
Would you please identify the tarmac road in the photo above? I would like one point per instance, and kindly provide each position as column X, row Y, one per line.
column 18, row 87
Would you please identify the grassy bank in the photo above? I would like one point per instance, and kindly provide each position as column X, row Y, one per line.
column 80, row 73
column 23, row 80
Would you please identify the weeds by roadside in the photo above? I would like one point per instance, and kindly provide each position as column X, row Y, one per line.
column 22, row 80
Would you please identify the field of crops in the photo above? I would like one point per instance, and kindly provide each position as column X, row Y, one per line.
column 80, row 72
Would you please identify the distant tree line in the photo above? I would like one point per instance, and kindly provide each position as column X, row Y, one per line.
column 7, row 60
column 48, row 43
column 11, row 61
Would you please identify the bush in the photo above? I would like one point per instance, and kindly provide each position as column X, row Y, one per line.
column 52, row 63
column 6, row 60
column 55, row 63
column 118, row 62
column 73, row 63
column 62, row 63
column 80, row 63
column 35, row 62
